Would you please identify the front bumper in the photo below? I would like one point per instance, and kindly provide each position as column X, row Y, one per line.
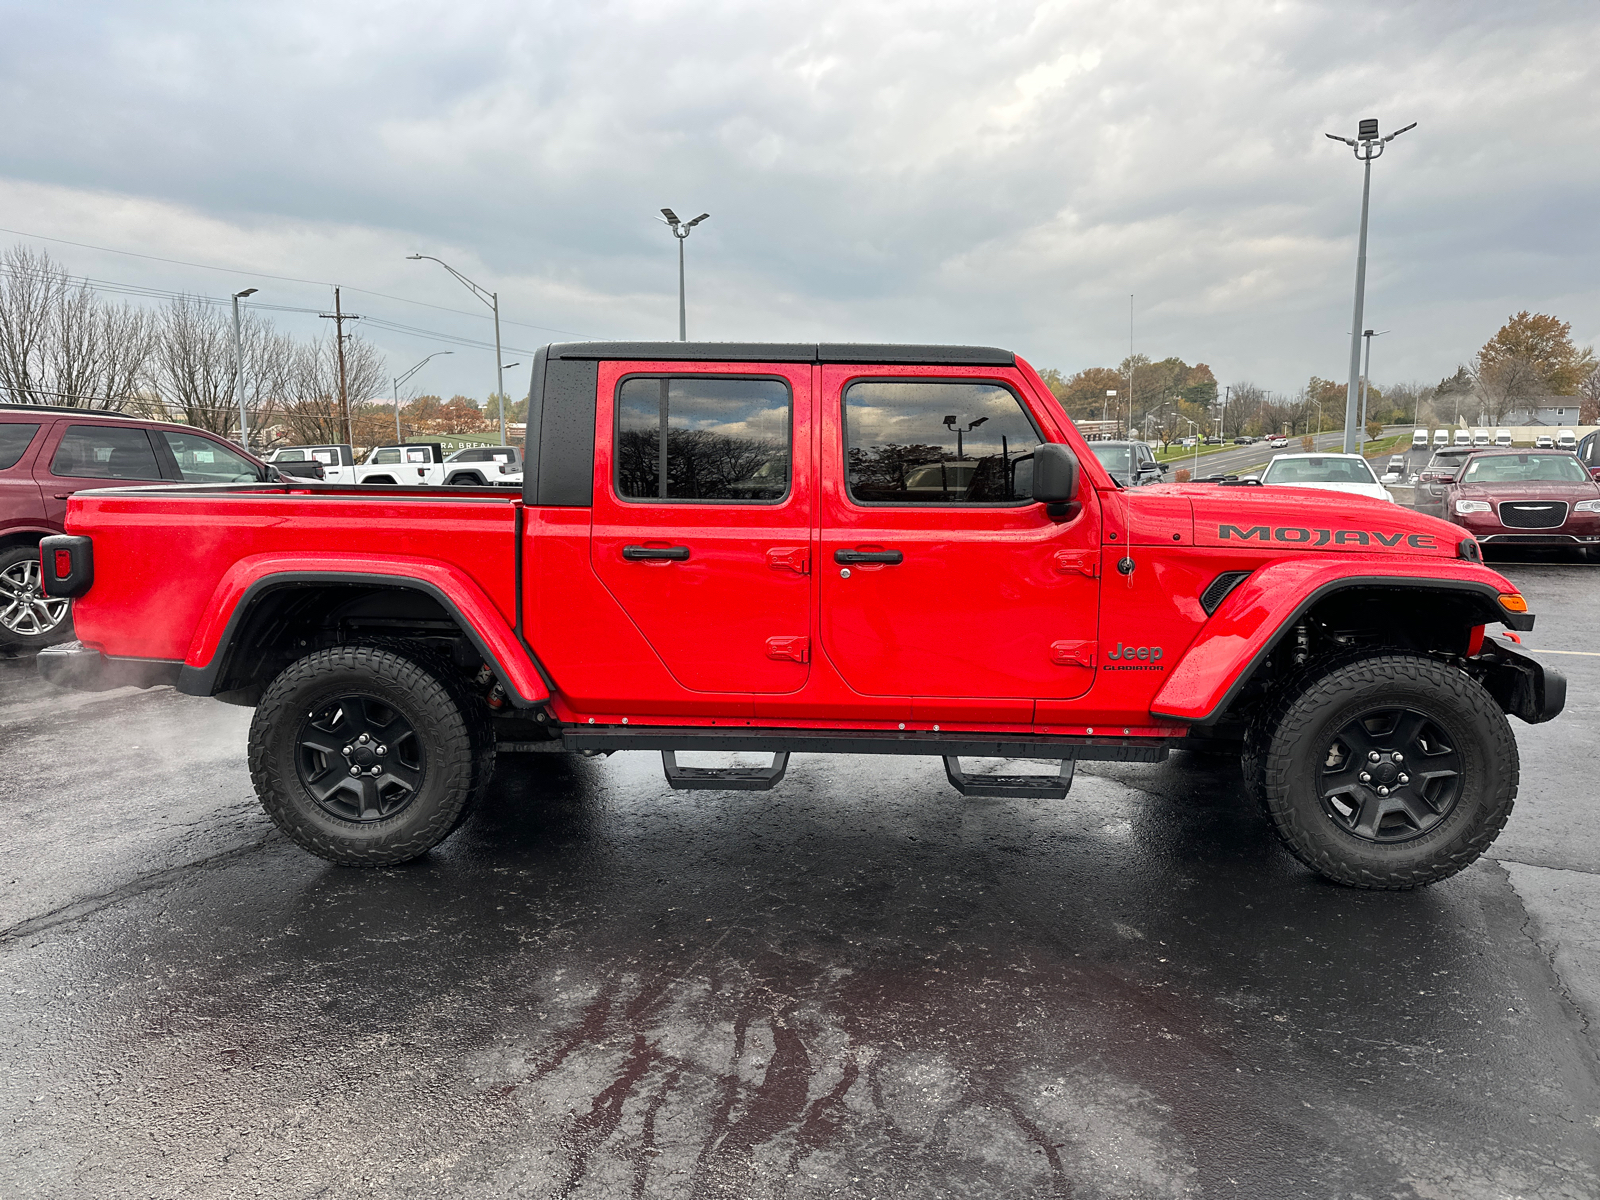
column 85, row 669
column 1520, row 684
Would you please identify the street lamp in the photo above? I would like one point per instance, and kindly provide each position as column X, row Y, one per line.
column 1196, row 429
column 238, row 369
column 492, row 299
column 1366, row 378
column 1111, row 394
column 400, row 440
column 1366, row 146
column 951, row 423
column 680, row 230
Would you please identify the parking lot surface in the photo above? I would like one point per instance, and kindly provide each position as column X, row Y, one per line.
column 859, row 984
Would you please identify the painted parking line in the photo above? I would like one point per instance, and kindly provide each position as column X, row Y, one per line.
column 1583, row 653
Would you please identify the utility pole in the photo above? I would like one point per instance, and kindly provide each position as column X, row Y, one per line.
column 338, row 316
column 238, row 370
column 1130, row 366
column 1366, row 146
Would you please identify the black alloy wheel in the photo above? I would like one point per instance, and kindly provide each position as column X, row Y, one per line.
column 370, row 755
column 360, row 758
column 1390, row 775
column 1383, row 770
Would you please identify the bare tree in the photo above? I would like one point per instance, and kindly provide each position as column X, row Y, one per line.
column 1500, row 384
column 311, row 391
column 61, row 344
column 1589, row 392
column 192, row 367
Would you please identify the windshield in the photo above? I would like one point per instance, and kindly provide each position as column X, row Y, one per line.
column 1319, row 470
column 1116, row 459
column 1525, row 468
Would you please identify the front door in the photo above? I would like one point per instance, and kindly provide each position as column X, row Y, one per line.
column 702, row 526
column 940, row 576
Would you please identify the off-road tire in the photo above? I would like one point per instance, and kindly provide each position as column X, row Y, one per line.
column 12, row 641
column 1286, row 749
column 453, row 769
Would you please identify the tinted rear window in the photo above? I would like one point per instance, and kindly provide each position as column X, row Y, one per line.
column 105, row 452
column 14, row 441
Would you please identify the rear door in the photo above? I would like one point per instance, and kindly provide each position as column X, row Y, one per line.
column 98, row 455
column 940, row 578
column 21, row 501
column 703, row 514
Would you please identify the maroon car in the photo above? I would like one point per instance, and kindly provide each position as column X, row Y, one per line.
column 1526, row 498
column 49, row 452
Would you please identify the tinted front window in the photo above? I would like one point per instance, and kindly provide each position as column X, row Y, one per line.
column 14, row 439
column 105, row 452
column 381, row 457
column 1114, row 458
column 200, row 460
column 1525, row 468
column 930, row 442
column 703, row 438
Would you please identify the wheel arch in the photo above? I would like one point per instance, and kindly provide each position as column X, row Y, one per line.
column 1225, row 659
column 27, row 536
column 279, row 616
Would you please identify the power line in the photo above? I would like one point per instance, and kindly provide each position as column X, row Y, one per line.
column 280, row 278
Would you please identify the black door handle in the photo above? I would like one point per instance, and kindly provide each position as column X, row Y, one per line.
column 891, row 557
column 652, row 553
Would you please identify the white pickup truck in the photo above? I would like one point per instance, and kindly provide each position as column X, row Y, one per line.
column 338, row 462
column 413, row 463
column 485, row 466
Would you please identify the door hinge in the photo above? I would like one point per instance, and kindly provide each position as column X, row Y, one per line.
column 1082, row 562
column 790, row 558
column 1072, row 654
column 789, row 649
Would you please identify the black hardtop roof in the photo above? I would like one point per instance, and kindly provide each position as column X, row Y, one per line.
column 69, row 410
column 819, row 352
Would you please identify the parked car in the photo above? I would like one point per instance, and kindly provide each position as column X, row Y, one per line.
column 1565, row 440
column 1523, row 497
column 1481, row 438
column 484, row 466
column 1441, row 437
column 1502, row 438
column 1544, row 442
column 412, row 463
column 1395, row 472
column 1129, row 463
column 50, row 452
column 338, row 462
column 1188, row 442
column 401, row 646
column 1325, row 472
column 1589, row 453
column 1213, row 440
column 1463, row 438
column 1243, row 439
column 1419, row 439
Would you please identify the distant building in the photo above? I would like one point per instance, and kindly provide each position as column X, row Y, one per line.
column 1541, row 410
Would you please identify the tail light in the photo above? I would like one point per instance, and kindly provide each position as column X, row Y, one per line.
column 66, row 564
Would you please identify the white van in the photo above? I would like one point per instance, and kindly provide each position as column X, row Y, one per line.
column 1502, row 438
column 1441, row 438
column 1419, row 439
column 1480, row 437
column 1565, row 440
column 1463, row 437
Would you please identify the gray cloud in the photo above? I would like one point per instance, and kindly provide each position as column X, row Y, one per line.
column 933, row 171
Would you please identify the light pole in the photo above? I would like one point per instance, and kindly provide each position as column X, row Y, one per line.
column 951, row 424
column 1111, row 394
column 238, row 369
column 1366, row 146
column 1196, row 429
column 680, row 230
column 399, row 440
column 1366, row 378
column 492, row 299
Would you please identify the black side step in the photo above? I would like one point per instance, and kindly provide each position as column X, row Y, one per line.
column 1022, row 787
column 727, row 779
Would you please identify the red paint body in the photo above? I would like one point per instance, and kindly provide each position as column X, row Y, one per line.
column 998, row 619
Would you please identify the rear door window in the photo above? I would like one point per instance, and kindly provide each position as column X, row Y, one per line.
column 15, row 439
column 105, row 452
column 200, row 460
column 705, row 438
column 938, row 442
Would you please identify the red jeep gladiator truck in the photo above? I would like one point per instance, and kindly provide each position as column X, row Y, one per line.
column 818, row 549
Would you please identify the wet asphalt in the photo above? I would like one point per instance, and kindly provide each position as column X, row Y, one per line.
column 857, row 985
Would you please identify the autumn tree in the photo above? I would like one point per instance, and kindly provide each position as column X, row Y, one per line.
column 516, row 412
column 460, row 414
column 1535, row 350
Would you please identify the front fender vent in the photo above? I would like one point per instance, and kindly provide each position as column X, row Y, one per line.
column 1217, row 591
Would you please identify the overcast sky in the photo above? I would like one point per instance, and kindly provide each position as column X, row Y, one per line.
column 939, row 171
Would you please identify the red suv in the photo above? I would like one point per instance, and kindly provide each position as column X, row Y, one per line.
column 46, row 454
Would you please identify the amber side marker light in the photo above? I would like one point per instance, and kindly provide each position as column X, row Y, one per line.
column 1513, row 602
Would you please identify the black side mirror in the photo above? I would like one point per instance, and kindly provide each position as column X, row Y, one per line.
column 1055, row 480
column 273, row 475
